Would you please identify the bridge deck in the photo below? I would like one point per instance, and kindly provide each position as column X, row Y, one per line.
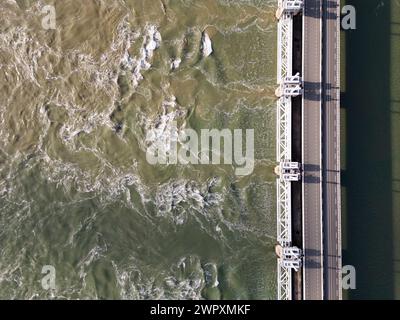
column 331, row 151
column 312, row 191
column 320, row 130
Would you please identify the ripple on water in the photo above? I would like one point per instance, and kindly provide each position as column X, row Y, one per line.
column 76, row 192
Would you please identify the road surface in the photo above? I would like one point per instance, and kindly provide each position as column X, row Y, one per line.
column 331, row 150
column 312, row 151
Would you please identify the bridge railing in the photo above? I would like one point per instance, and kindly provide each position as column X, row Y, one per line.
column 289, row 86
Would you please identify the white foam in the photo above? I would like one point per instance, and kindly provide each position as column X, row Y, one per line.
column 151, row 42
column 206, row 45
column 175, row 63
column 177, row 199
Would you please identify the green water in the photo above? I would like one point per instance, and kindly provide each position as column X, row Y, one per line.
column 76, row 191
column 371, row 149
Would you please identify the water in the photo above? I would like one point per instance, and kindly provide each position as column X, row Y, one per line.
column 76, row 191
column 371, row 150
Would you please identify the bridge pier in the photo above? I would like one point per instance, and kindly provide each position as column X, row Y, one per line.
column 292, row 7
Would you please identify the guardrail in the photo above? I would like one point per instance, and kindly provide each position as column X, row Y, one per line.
column 289, row 85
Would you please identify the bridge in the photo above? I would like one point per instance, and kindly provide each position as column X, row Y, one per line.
column 317, row 262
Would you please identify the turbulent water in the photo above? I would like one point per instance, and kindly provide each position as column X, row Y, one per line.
column 76, row 191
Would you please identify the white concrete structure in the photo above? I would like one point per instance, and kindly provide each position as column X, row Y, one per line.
column 289, row 86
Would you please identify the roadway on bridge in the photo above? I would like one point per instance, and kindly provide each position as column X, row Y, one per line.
column 331, row 151
column 312, row 151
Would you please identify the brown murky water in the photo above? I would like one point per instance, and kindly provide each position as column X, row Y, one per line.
column 76, row 191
